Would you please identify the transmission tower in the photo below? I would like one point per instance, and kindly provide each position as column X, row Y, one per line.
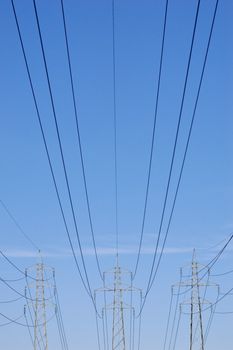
column 118, row 313
column 38, row 291
column 196, row 304
column 198, row 287
column 118, row 330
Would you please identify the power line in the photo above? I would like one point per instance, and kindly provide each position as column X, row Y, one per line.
column 222, row 274
column 202, row 303
column 210, row 321
column 60, row 316
column 186, row 150
column 153, row 139
column 23, row 324
column 14, row 280
column 214, row 246
column 115, row 128
column 210, row 264
column 59, row 142
column 168, row 321
column 224, row 312
column 19, row 270
column 79, row 137
column 220, row 299
column 139, row 326
column 97, row 328
column 46, row 149
column 188, row 140
column 60, row 329
column 26, row 275
column 175, row 313
column 44, row 140
column 16, row 291
column 11, row 301
column 18, row 225
column 151, row 278
column 177, row 330
column 10, row 321
column 29, row 330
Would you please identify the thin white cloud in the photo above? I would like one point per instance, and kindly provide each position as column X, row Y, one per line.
column 134, row 250
column 87, row 251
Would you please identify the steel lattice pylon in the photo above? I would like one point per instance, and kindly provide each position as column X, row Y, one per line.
column 197, row 337
column 118, row 312
column 37, row 291
column 118, row 330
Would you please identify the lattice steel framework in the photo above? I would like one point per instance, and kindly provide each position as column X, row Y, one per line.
column 120, row 312
column 39, row 291
column 196, row 302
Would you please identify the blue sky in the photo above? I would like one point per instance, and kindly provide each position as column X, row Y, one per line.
column 203, row 214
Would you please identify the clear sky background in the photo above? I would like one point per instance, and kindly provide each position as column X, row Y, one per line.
column 203, row 215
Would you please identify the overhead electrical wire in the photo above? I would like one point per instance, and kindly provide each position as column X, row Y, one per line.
column 60, row 332
column 79, row 137
column 214, row 246
column 60, row 329
column 222, row 274
column 98, row 332
column 202, row 303
column 26, row 276
column 115, row 129
column 210, row 321
column 60, row 144
column 19, row 293
column 62, row 326
column 168, row 321
column 153, row 138
column 29, row 330
column 139, row 326
column 19, row 270
column 220, row 299
column 14, row 279
column 153, row 273
column 176, row 138
column 151, row 280
column 10, row 322
column 188, row 140
column 18, row 225
column 11, row 301
column 24, row 324
column 216, row 258
column 177, row 330
column 178, row 305
column 151, row 276
column 224, row 312
column 210, row 265
column 45, row 142
column 47, row 152
column 175, row 313
column 60, row 316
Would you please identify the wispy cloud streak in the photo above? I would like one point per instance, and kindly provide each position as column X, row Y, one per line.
column 87, row 251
